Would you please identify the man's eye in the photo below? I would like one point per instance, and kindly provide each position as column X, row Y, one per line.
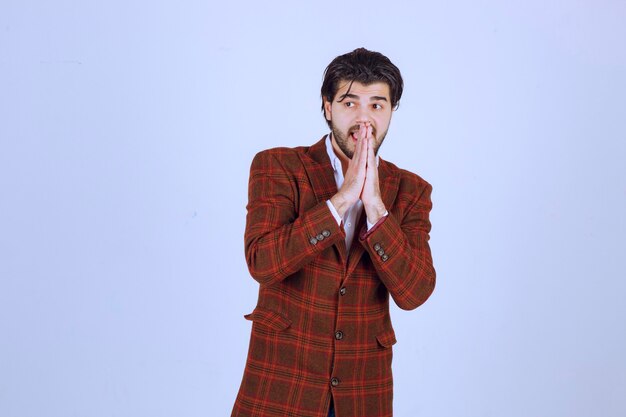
column 349, row 104
column 377, row 106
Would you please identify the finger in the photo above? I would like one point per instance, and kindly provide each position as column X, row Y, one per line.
column 370, row 141
column 371, row 160
column 358, row 149
column 362, row 130
column 358, row 146
column 363, row 152
column 357, row 165
column 370, row 152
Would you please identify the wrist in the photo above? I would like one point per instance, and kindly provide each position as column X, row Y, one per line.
column 340, row 203
column 375, row 212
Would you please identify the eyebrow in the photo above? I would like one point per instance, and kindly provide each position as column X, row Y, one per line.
column 355, row 97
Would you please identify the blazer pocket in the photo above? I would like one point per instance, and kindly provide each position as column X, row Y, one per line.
column 268, row 318
column 386, row 339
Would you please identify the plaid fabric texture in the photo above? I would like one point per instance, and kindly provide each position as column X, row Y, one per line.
column 321, row 327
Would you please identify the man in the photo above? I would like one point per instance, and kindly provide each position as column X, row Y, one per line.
column 332, row 230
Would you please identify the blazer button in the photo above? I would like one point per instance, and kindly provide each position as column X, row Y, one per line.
column 381, row 252
column 342, row 291
column 320, row 237
column 334, row 382
column 326, row 233
column 313, row 241
column 338, row 335
column 377, row 247
column 384, row 257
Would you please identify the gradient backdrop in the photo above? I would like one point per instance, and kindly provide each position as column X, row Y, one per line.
column 126, row 134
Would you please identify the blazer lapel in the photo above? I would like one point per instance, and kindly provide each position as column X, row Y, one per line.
column 389, row 178
column 320, row 171
column 321, row 175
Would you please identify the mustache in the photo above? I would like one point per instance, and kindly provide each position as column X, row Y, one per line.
column 356, row 128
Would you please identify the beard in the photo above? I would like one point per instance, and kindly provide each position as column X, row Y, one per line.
column 344, row 140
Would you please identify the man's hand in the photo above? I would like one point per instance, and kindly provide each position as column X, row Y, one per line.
column 372, row 201
column 354, row 178
column 361, row 179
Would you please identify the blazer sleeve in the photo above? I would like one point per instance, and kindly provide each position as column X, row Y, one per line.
column 279, row 240
column 401, row 255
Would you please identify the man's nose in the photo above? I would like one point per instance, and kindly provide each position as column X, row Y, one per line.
column 364, row 115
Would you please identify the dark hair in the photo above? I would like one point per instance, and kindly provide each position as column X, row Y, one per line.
column 366, row 67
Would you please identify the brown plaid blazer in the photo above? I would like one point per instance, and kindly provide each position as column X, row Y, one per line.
column 321, row 326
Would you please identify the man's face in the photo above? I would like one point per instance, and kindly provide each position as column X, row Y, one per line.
column 363, row 103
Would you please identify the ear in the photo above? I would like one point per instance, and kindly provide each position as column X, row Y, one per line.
column 328, row 110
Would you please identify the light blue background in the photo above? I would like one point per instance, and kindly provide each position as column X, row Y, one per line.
column 127, row 130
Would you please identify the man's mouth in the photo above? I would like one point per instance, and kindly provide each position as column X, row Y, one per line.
column 354, row 133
